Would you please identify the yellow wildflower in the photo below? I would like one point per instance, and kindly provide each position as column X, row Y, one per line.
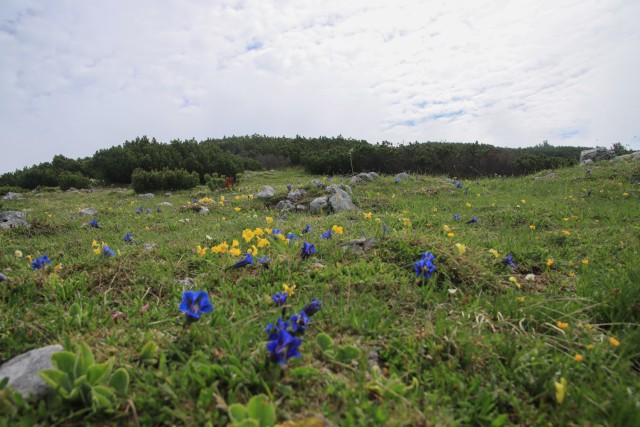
column 446, row 228
column 235, row 243
column 614, row 342
column 289, row 290
column 520, row 299
column 468, row 205
column 578, row 358
column 514, row 281
column 281, row 237
column 253, row 250
column 549, row 262
column 590, row 347
column 97, row 251
column 585, row 261
column 258, row 231
column 566, row 232
column 461, row 248
column 368, row 215
column 561, row 389
column 237, row 209
column 269, row 220
column 562, row 325
column 494, row 253
column 222, row 199
column 235, row 251
column 95, row 244
column 523, row 201
column 58, row 267
column 337, row 229
column 451, row 234
column 201, row 251
column 248, row 235
column 625, row 194
column 262, row 242
column 572, row 274
column 566, row 219
column 267, row 230
column 532, row 226
column 18, row 253
column 221, row 248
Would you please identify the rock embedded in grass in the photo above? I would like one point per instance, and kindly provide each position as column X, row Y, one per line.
column 12, row 219
column 22, row 371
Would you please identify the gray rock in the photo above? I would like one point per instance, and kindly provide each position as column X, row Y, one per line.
column 360, row 246
column 2, row 277
column 365, row 177
column 597, row 154
column 355, row 180
column 147, row 196
column 296, row 195
column 187, row 281
column 72, row 190
column 203, row 210
column 333, row 188
column 12, row 196
column 266, row 192
column 88, row 211
column 167, row 195
column 167, row 204
column 341, row 201
column 11, row 219
column 319, row 204
column 587, row 162
column 402, row 176
column 630, row 156
column 285, row 205
column 374, row 175
column 149, row 246
column 22, row 371
column 301, row 208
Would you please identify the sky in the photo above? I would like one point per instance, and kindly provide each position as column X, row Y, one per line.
column 79, row 76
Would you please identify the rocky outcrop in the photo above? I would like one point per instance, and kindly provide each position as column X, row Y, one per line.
column 12, row 219
column 595, row 155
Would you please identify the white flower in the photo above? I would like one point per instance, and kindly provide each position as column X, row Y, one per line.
column 530, row 277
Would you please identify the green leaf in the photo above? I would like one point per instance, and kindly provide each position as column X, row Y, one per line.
column 82, row 379
column 102, row 397
column 120, row 381
column 238, row 412
column 75, row 310
column 324, row 341
column 246, row 423
column 303, row 371
column 84, row 359
column 347, row 354
column 55, row 378
column 260, row 408
column 98, row 372
column 500, row 420
column 64, row 361
column 149, row 352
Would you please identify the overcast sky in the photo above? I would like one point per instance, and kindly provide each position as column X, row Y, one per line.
column 78, row 76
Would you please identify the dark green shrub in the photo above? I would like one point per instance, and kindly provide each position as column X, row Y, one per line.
column 166, row 179
column 66, row 180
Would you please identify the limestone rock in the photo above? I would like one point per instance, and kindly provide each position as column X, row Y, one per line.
column 551, row 175
column 301, row 208
column 285, row 205
column 365, row 177
column 12, row 196
column 374, row 175
column 355, row 180
column 167, row 204
column 597, row 154
column 319, row 204
column 630, row 156
column 203, row 210
column 341, row 201
column 11, row 219
column 296, row 195
column 22, row 371
column 88, row 211
column 147, row 196
column 2, row 277
column 333, row 188
column 266, row 192
column 360, row 246
column 402, row 176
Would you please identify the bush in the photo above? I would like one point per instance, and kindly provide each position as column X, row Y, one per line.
column 66, row 180
column 166, row 179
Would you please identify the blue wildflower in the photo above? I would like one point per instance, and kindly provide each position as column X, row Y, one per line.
column 425, row 267
column 456, row 216
column 634, row 181
column 279, row 298
column 149, row 211
column 477, row 182
column 327, row 235
column 107, row 251
column 307, row 250
column 139, row 210
column 194, row 303
column 473, row 220
column 41, row 262
column 128, row 238
column 459, row 185
column 299, row 322
column 282, row 345
column 264, row 261
column 246, row 261
column 289, row 187
column 588, row 171
column 508, row 260
column 158, row 210
column 306, row 229
column 385, row 229
column 94, row 224
column 312, row 308
column 398, row 180
column 2, row 277
column 292, row 237
column 276, row 231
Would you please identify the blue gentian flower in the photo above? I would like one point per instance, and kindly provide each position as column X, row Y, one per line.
column 459, row 185
column 588, row 171
column 425, row 267
column 279, row 298
column 282, row 345
column 158, row 210
column 194, row 303
column 477, row 182
column 327, row 235
column 94, row 224
column 306, row 229
column 473, row 220
column 246, row 261
column 398, row 180
column 139, row 210
column 2, row 277
column 128, row 238
column 312, row 308
column 149, row 211
column 276, row 231
column 508, row 260
column 299, row 322
column 292, row 237
column 634, row 181
column 289, row 187
column 41, row 262
column 107, row 251
column 456, row 216
column 307, row 250
column 264, row 261
column 385, row 229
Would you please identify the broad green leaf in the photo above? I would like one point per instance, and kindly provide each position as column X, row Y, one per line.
column 303, row 371
column 83, row 359
column 102, row 397
column 120, row 381
column 149, row 352
column 54, row 378
column 74, row 310
column 324, row 341
column 238, row 412
column 347, row 354
column 260, row 408
column 98, row 372
column 64, row 361
column 246, row 423
column 82, row 379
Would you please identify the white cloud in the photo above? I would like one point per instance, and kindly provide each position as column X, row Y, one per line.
column 80, row 77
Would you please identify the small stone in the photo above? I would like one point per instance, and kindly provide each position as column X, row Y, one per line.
column 203, row 210
column 285, row 205
column 149, row 246
column 165, row 204
column 266, row 192
column 187, row 281
column 319, row 204
column 88, row 211
column 146, row 196
column 22, row 371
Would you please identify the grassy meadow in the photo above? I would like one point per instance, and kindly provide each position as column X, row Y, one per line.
column 552, row 341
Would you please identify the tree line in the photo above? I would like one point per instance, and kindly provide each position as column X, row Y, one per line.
column 229, row 156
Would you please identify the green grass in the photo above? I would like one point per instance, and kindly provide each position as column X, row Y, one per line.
column 478, row 343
